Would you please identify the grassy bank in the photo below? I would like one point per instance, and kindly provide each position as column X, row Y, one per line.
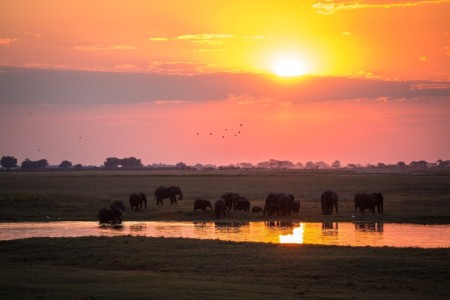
column 410, row 196
column 159, row 268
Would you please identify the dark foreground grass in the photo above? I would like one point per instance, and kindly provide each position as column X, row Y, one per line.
column 161, row 268
column 410, row 196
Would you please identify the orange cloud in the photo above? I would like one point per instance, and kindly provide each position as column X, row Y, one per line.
column 178, row 67
column 105, row 47
column 332, row 7
column 7, row 42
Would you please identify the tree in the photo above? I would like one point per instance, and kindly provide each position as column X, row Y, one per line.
column 422, row 164
column 43, row 163
column 299, row 165
column 65, row 164
column 276, row 164
column 9, row 162
column 28, row 164
column 130, row 162
column 443, row 163
column 401, row 165
column 181, row 166
column 309, row 165
column 336, row 164
column 112, row 162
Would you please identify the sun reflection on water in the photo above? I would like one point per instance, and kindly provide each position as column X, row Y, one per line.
column 295, row 238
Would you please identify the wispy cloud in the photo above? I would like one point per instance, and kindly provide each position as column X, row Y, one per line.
column 6, row 42
column 329, row 8
column 158, row 39
column 104, row 47
column 431, row 86
column 191, row 81
column 178, row 67
column 127, row 67
column 206, row 38
column 165, row 102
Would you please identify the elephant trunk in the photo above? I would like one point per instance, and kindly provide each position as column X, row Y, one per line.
column 181, row 196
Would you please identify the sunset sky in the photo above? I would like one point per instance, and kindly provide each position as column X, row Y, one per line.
column 166, row 81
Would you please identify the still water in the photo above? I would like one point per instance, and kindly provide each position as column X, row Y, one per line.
column 339, row 234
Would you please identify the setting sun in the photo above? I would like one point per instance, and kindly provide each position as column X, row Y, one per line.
column 289, row 67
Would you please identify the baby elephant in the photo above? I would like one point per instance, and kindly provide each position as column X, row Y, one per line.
column 202, row 204
column 256, row 209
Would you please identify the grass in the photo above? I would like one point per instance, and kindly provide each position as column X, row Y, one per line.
column 161, row 268
column 411, row 197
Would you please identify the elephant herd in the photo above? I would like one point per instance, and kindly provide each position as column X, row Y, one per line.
column 362, row 201
column 138, row 200
column 276, row 204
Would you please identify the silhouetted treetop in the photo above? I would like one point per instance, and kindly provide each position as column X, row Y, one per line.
column 65, row 164
column 9, row 162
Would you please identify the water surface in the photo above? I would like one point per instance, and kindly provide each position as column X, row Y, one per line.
column 339, row 234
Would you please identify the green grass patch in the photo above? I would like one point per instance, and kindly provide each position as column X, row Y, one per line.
column 409, row 196
column 161, row 268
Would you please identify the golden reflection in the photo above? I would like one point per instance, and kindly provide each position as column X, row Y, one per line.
column 138, row 227
column 295, row 238
column 369, row 227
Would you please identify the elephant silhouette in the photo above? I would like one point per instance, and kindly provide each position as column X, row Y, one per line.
column 219, row 208
column 279, row 204
column 137, row 200
column 202, row 204
column 369, row 201
column 328, row 200
column 171, row 192
column 112, row 214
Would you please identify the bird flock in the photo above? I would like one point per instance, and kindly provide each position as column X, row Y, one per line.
column 225, row 133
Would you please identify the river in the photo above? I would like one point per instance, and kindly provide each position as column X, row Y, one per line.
column 338, row 234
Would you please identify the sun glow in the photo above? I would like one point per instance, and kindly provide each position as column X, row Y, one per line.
column 289, row 67
column 295, row 238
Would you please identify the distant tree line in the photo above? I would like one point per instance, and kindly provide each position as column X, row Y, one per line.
column 10, row 162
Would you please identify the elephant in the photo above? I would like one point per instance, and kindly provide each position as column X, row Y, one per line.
column 271, row 208
column 171, row 192
column 112, row 214
column 137, row 200
column 295, row 206
column 379, row 199
column 369, row 201
column 242, row 204
column 230, row 199
column 202, row 204
column 284, row 203
column 220, row 208
column 329, row 199
column 256, row 209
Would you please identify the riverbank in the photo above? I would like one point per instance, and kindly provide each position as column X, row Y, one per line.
column 410, row 196
column 163, row 268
